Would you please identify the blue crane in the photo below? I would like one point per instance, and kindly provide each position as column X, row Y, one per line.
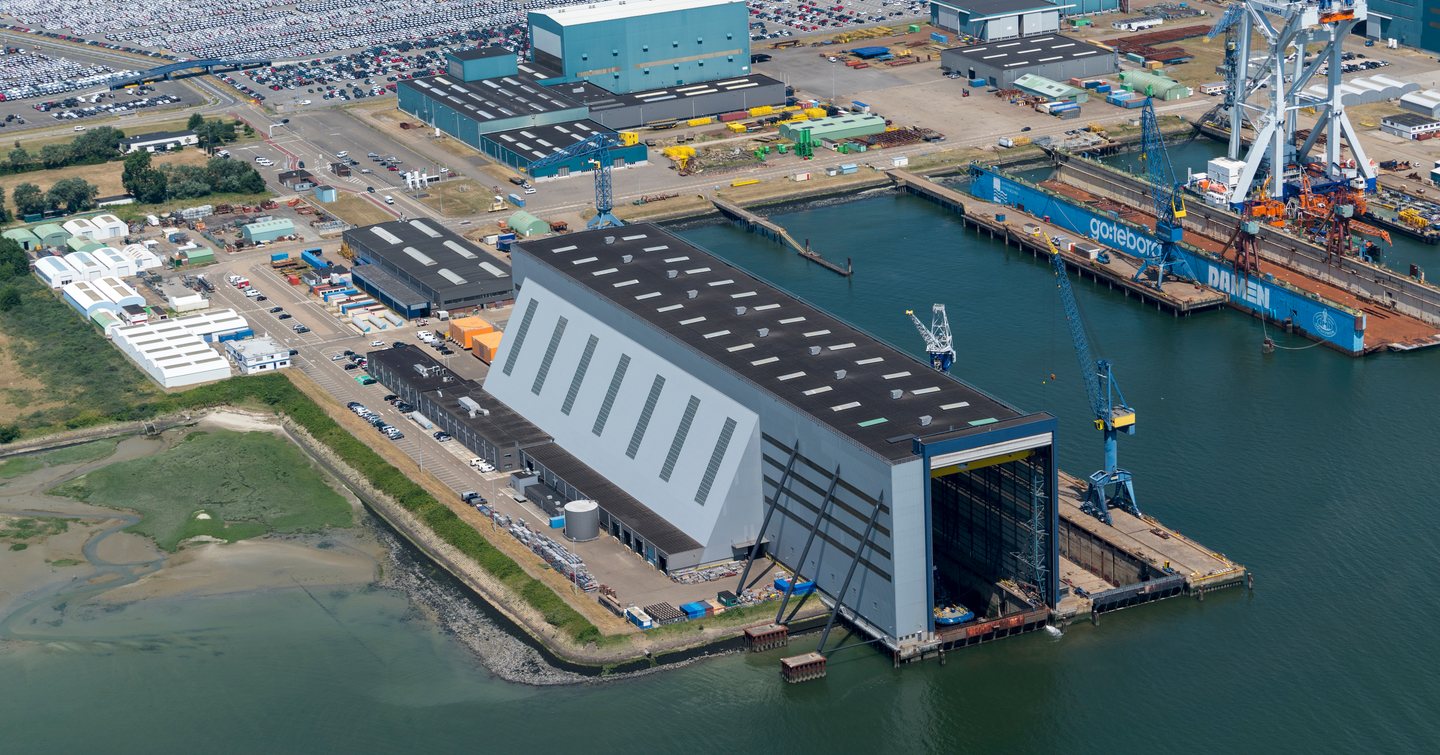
column 596, row 151
column 1112, row 486
column 1169, row 205
column 938, row 343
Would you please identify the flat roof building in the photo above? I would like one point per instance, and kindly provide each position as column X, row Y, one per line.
column 742, row 416
column 520, row 148
column 677, row 102
column 1053, row 56
column 635, row 45
column 267, row 230
column 256, row 355
column 159, row 141
column 1410, row 125
column 447, row 270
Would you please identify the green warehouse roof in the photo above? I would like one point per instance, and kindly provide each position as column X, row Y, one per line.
column 47, row 230
column 23, row 237
column 278, row 224
column 839, row 127
column 1050, row 88
column 527, row 225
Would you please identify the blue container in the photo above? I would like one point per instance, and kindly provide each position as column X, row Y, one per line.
column 978, row 82
column 1000, row 217
column 941, row 38
column 516, row 200
column 278, row 256
column 694, row 610
column 1102, row 89
column 557, row 522
column 801, row 588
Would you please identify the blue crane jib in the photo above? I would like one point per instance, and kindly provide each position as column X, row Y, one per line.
column 596, row 151
column 1169, row 200
column 1110, row 487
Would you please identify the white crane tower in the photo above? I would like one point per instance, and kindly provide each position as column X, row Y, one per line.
column 938, row 343
column 1268, row 91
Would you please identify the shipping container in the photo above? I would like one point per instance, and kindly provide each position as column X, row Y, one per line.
column 516, row 200
column 738, row 115
column 699, row 121
column 979, row 83
column 639, row 618
column 756, row 112
column 279, row 257
column 849, row 168
column 486, row 345
column 464, row 329
column 313, row 259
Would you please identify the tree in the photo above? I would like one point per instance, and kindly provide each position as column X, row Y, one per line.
column 151, row 187
column 213, row 133
column 13, row 262
column 96, row 145
column 29, row 200
column 136, row 164
column 55, row 155
column 9, row 299
column 4, row 212
column 19, row 157
column 233, row 177
column 195, row 120
column 73, row 194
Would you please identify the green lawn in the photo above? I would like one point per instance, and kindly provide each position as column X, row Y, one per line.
column 247, row 484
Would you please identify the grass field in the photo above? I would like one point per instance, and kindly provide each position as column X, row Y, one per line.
column 227, row 485
column 356, row 209
column 459, row 197
column 92, row 451
column 105, row 176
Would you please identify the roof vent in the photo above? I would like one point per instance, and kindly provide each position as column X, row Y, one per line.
column 739, row 310
column 763, row 332
column 671, row 273
column 839, row 374
column 691, row 294
column 814, row 351
column 609, row 239
column 925, row 420
column 626, row 258
column 897, row 393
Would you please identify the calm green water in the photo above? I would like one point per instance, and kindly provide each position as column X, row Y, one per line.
column 1317, row 470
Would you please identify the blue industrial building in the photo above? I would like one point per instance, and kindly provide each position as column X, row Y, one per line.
column 993, row 20
column 1406, row 21
column 633, row 45
column 520, row 147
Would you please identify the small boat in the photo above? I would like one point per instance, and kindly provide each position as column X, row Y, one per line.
column 952, row 614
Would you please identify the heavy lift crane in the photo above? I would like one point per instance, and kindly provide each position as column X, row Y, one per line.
column 1112, row 486
column 595, row 150
column 938, row 343
column 1169, row 202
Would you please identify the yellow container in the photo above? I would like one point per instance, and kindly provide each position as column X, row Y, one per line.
column 738, row 128
column 745, row 182
column 815, row 112
column 699, row 121
column 629, row 138
column 756, row 112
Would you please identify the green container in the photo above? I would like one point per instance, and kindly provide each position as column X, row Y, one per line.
column 914, row 28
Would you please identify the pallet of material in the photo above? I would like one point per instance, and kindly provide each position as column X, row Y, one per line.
column 664, row 613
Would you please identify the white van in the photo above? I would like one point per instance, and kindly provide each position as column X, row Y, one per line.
column 389, row 199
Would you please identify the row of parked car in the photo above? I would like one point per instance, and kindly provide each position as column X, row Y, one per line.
column 375, row 420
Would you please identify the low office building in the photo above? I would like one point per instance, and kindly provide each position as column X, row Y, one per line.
column 159, row 141
column 460, row 407
column 1052, row 56
column 740, row 419
column 441, row 268
column 256, row 355
column 1410, row 125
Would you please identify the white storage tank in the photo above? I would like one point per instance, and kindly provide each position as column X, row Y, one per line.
column 582, row 520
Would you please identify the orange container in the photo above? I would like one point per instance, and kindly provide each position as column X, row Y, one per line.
column 464, row 329
column 485, row 345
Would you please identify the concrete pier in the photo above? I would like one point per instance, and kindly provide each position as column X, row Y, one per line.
column 774, row 231
column 1118, row 273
